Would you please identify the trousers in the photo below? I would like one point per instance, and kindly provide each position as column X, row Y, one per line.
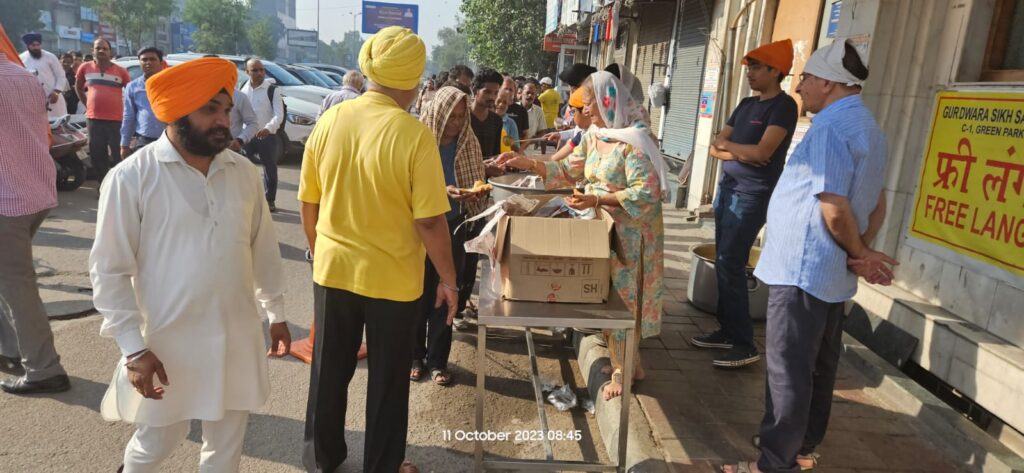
column 738, row 219
column 24, row 326
column 221, row 451
column 803, row 341
column 266, row 148
column 340, row 317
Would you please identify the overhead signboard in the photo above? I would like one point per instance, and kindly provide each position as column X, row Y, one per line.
column 553, row 42
column 970, row 197
column 302, row 38
column 106, row 31
column 379, row 15
column 68, row 32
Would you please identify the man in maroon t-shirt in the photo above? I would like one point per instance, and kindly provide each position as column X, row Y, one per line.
column 99, row 84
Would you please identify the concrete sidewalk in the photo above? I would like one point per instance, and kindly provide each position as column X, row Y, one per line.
column 700, row 416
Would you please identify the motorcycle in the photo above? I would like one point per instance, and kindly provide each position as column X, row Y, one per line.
column 66, row 142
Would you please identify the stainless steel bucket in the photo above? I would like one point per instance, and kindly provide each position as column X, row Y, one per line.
column 703, row 287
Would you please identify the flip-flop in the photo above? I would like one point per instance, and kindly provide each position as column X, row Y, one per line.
column 445, row 377
column 408, row 467
column 417, row 368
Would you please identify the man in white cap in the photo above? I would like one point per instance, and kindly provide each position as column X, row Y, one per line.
column 367, row 270
column 825, row 211
column 47, row 68
column 550, row 101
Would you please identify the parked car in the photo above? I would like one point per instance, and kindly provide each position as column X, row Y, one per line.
column 308, row 77
column 334, row 76
column 301, row 115
column 289, row 84
column 335, row 84
column 340, row 71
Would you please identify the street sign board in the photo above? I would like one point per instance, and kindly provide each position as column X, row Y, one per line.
column 303, row 38
column 378, row 15
column 553, row 42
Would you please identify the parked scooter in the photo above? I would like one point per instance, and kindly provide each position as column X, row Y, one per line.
column 67, row 141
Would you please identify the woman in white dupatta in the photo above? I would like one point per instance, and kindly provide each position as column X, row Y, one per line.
column 625, row 175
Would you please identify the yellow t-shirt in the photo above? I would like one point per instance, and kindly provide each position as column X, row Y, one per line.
column 549, row 102
column 373, row 169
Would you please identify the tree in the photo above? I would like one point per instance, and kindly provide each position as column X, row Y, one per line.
column 261, row 39
column 507, row 36
column 220, row 25
column 133, row 18
column 20, row 17
column 348, row 49
column 453, row 49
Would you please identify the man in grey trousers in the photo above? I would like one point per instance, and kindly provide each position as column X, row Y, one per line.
column 27, row 193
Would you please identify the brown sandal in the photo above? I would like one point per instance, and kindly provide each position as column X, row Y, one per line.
column 416, row 372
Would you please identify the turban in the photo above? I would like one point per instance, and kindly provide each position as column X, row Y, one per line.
column 7, row 48
column 29, row 38
column 777, row 55
column 827, row 63
column 575, row 74
column 394, row 57
column 180, row 90
column 576, row 99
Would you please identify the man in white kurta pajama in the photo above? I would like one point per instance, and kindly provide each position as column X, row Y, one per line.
column 48, row 70
column 185, row 248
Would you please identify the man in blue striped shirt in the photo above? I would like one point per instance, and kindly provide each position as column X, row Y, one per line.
column 823, row 215
column 138, row 122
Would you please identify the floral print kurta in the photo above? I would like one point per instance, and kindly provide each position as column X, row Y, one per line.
column 628, row 174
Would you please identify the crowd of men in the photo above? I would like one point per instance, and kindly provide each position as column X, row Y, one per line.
column 186, row 259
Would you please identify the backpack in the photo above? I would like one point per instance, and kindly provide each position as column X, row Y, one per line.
column 284, row 106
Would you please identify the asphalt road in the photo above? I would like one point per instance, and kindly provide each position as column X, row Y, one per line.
column 65, row 432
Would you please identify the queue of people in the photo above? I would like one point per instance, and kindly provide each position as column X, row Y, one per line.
column 186, row 259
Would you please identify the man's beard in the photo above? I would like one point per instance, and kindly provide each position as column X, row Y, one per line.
column 207, row 143
column 37, row 53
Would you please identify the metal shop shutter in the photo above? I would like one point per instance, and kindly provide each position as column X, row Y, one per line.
column 656, row 21
column 691, row 46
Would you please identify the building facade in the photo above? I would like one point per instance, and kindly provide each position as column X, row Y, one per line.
column 947, row 88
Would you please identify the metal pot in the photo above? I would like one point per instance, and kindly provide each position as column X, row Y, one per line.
column 504, row 189
column 703, row 287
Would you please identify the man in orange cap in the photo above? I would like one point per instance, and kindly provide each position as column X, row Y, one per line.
column 184, row 250
column 753, row 149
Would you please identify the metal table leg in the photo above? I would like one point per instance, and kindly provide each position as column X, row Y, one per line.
column 627, row 384
column 481, row 379
column 538, row 394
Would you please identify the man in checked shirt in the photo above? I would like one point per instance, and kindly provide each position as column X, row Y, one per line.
column 28, row 191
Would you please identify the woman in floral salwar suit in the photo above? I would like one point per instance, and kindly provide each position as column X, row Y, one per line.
column 625, row 175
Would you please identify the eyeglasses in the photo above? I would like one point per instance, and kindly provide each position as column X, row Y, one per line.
column 755, row 67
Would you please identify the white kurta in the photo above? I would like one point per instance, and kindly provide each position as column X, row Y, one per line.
column 51, row 74
column 179, row 262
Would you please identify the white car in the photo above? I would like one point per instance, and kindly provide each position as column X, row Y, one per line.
column 299, row 120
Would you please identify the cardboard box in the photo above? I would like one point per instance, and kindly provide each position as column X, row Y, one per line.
column 555, row 259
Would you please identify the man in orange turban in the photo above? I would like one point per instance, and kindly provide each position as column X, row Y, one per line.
column 753, row 149
column 185, row 250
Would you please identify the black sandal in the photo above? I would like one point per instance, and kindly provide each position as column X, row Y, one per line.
column 416, row 372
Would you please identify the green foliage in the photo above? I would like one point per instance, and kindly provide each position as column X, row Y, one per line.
column 133, row 18
column 20, row 17
column 508, row 36
column 453, row 49
column 220, row 25
column 261, row 39
column 345, row 53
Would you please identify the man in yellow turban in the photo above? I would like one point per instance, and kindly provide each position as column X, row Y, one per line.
column 184, row 250
column 372, row 192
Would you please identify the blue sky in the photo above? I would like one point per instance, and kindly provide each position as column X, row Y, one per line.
column 336, row 18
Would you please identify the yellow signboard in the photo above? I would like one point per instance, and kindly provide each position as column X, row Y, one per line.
column 971, row 195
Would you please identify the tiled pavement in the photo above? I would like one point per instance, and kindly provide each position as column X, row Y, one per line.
column 702, row 416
